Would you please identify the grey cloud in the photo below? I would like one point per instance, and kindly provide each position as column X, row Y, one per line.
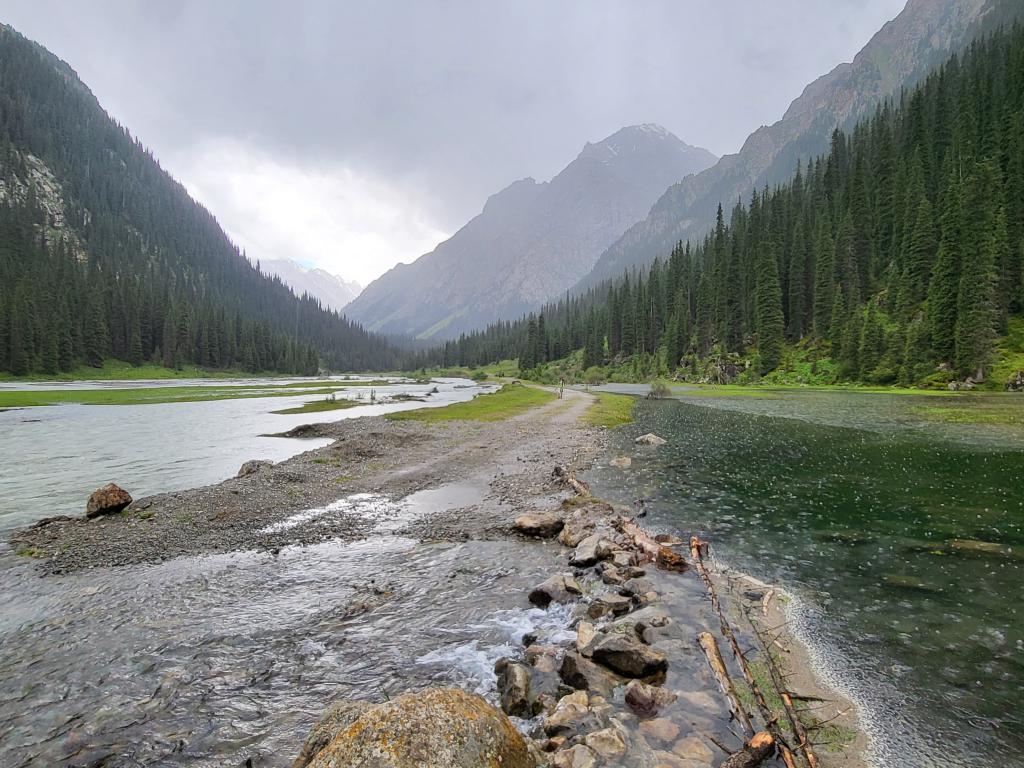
column 451, row 100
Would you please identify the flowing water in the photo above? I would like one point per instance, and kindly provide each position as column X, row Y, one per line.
column 900, row 538
column 53, row 457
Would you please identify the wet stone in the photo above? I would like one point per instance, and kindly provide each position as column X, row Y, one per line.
column 659, row 729
column 627, row 656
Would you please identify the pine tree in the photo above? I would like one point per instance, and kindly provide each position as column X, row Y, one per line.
column 770, row 324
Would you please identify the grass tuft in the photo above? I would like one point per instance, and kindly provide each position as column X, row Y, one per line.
column 610, row 410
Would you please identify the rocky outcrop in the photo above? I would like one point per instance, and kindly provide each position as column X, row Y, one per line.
column 1016, row 382
column 554, row 230
column 434, row 728
column 108, row 500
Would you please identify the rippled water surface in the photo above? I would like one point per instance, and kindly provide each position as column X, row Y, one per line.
column 220, row 660
column 901, row 537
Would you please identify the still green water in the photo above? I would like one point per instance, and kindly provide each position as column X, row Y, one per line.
column 902, row 538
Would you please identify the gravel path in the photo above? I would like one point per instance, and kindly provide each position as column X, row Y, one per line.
column 481, row 473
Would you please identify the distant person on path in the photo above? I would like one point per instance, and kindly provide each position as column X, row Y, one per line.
column 561, row 388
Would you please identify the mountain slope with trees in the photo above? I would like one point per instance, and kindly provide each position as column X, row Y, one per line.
column 923, row 35
column 103, row 255
column 896, row 257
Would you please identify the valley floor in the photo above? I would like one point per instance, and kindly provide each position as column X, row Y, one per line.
column 459, row 485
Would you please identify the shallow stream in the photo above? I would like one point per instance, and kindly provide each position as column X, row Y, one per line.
column 900, row 537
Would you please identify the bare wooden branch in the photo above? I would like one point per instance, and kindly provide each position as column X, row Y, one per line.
column 709, row 645
column 760, row 747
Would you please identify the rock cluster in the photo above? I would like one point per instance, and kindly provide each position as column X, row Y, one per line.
column 568, row 691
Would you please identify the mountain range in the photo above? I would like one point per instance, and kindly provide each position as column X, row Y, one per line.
column 532, row 240
column 333, row 292
column 895, row 58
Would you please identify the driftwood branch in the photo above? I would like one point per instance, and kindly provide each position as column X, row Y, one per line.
column 665, row 558
column 709, row 645
column 698, row 549
column 567, row 477
column 760, row 747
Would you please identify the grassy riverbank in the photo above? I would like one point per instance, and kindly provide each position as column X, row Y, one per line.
column 153, row 395
column 510, row 400
column 610, row 410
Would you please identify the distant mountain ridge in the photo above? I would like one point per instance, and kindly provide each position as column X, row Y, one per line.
column 897, row 56
column 332, row 291
column 532, row 240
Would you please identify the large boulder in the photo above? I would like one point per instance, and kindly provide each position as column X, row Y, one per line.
column 108, row 500
column 433, row 728
column 626, row 655
column 340, row 715
column 1016, row 382
column 541, row 525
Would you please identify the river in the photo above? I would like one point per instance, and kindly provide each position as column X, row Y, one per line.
column 53, row 457
column 900, row 539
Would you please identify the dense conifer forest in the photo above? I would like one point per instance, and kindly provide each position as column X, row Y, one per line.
column 103, row 255
column 896, row 258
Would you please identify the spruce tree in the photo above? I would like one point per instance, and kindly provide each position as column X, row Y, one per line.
column 770, row 324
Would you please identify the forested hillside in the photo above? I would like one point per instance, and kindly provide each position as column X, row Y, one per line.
column 102, row 254
column 894, row 258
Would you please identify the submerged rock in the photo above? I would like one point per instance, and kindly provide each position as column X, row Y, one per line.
column 572, row 717
column 647, row 700
column 542, row 525
column 108, row 500
column 578, row 756
column 650, row 439
column 433, row 728
column 622, row 462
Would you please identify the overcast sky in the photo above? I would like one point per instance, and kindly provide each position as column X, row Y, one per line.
column 357, row 135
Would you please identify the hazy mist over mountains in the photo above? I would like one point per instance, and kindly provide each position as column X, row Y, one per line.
column 532, row 241
column 334, row 292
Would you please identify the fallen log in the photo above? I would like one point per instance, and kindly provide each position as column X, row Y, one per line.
column 709, row 645
column 759, row 748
